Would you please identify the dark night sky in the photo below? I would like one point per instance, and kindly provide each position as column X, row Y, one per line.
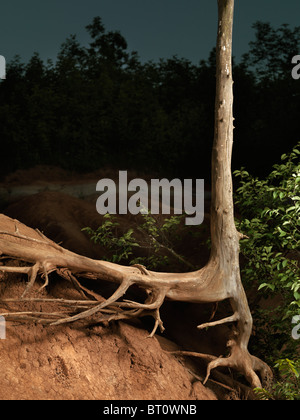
column 154, row 28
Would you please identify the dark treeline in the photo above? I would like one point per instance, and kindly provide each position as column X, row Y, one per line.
column 100, row 106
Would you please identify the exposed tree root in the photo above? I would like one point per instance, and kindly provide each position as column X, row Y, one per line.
column 199, row 286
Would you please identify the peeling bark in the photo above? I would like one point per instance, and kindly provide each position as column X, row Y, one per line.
column 218, row 280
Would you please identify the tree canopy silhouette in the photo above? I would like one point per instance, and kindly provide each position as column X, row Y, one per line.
column 99, row 105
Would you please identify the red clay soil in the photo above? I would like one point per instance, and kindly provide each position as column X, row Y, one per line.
column 87, row 361
column 100, row 362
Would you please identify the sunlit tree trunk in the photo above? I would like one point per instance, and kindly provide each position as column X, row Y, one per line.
column 224, row 236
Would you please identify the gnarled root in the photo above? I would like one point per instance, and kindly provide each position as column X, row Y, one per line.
column 155, row 299
column 32, row 273
column 242, row 361
column 239, row 357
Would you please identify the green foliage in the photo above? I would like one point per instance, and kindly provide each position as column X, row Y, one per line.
column 288, row 385
column 106, row 235
column 270, row 218
column 270, row 210
column 160, row 237
column 120, row 245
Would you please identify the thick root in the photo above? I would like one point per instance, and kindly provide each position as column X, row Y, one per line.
column 243, row 362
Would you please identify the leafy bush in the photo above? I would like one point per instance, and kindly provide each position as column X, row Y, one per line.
column 106, row 235
column 287, row 387
column 157, row 239
column 270, row 221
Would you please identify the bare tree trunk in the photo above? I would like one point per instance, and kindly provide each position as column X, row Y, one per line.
column 224, row 236
column 218, row 280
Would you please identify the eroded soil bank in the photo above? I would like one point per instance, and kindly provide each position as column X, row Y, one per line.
column 92, row 360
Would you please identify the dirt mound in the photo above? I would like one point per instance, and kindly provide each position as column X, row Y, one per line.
column 118, row 362
column 53, row 174
column 38, row 173
column 61, row 218
column 87, row 361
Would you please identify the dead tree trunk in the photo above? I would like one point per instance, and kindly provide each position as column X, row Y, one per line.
column 224, row 236
column 217, row 281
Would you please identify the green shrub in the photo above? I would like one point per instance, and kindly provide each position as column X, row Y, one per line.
column 121, row 247
column 288, row 385
column 158, row 239
column 270, row 253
